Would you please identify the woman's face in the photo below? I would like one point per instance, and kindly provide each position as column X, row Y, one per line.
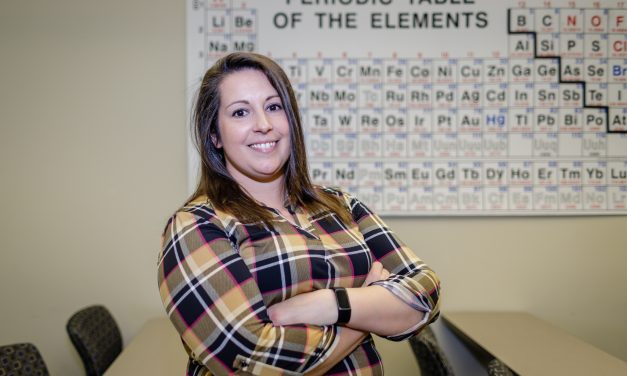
column 253, row 127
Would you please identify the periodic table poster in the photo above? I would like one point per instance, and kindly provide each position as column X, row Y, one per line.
column 444, row 107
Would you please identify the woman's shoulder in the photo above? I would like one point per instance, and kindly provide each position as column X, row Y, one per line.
column 336, row 191
column 202, row 206
column 201, row 200
column 198, row 207
column 355, row 206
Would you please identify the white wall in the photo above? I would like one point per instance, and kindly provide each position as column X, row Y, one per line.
column 92, row 110
column 93, row 160
column 568, row 271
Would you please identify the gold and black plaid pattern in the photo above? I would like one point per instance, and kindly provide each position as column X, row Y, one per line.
column 217, row 276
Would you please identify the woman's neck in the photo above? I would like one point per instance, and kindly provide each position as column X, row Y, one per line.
column 270, row 193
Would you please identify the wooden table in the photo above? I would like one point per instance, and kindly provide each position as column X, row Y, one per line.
column 156, row 351
column 530, row 346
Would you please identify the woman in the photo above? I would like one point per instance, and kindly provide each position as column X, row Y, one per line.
column 263, row 273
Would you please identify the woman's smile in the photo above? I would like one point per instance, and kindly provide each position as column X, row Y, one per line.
column 264, row 147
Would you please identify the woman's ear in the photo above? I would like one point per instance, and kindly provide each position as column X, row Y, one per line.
column 216, row 140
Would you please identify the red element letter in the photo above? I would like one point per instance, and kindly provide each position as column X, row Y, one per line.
column 596, row 21
column 618, row 46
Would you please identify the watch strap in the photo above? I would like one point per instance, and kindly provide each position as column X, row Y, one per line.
column 343, row 306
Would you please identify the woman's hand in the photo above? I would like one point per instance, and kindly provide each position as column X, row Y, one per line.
column 317, row 307
column 377, row 273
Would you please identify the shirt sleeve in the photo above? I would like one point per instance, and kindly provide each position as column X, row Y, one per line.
column 411, row 280
column 215, row 304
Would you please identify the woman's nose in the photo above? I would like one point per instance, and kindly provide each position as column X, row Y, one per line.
column 262, row 123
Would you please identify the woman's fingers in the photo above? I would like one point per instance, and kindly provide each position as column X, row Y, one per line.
column 376, row 268
column 377, row 272
column 373, row 274
column 385, row 274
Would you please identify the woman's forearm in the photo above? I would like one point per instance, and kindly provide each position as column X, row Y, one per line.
column 374, row 309
column 377, row 310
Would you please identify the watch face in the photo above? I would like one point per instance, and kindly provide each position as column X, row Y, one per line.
column 343, row 306
column 342, row 299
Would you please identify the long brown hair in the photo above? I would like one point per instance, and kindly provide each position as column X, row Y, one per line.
column 216, row 182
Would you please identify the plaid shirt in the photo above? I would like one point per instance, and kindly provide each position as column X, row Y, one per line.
column 217, row 276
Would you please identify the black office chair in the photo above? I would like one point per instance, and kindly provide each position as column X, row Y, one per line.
column 97, row 338
column 431, row 359
column 21, row 359
column 498, row 368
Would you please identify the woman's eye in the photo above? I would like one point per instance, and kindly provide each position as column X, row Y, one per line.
column 275, row 107
column 239, row 113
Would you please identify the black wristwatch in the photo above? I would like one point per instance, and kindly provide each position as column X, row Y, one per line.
column 343, row 306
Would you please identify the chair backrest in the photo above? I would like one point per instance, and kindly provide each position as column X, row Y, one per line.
column 22, row 359
column 97, row 338
column 498, row 368
column 431, row 359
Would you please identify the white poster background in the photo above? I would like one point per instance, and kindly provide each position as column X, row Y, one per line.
column 305, row 35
